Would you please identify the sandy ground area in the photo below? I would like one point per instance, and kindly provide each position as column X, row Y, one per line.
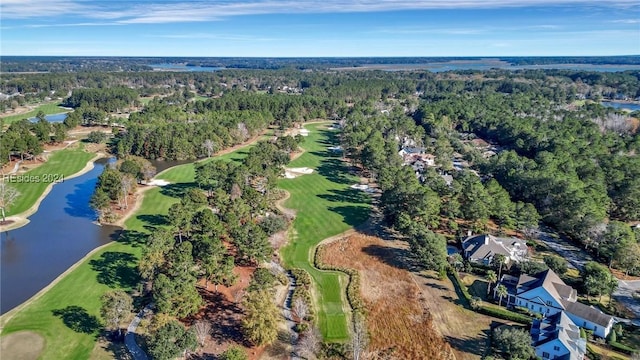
column 22, row 345
column 292, row 173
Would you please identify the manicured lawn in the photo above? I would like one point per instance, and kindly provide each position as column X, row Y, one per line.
column 61, row 164
column 76, row 298
column 325, row 206
column 52, row 108
column 68, row 314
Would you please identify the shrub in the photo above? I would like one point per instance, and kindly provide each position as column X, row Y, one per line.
column 504, row 314
column 273, row 224
column 300, row 327
column 97, row 137
column 234, row 353
column 622, row 348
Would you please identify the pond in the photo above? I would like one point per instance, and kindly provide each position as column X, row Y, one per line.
column 52, row 118
column 60, row 233
column 621, row 105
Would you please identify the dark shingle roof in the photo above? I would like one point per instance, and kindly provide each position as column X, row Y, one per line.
column 588, row 313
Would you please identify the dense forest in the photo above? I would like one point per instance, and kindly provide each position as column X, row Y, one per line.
column 576, row 159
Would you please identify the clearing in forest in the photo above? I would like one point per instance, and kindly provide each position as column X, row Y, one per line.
column 325, row 206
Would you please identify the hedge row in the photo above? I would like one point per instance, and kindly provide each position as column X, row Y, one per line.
column 623, row 348
column 353, row 285
column 504, row 314
column 491, row 311
column 303, row 282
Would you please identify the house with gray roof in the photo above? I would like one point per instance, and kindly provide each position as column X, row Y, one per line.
column 482, row 249
column 546, row 294
column 557, row 337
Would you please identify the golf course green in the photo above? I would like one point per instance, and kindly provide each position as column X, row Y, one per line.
column 325, row 206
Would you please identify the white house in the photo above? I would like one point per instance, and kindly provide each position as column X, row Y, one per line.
column 557, row 337
column 482, row 249
column 545, row 293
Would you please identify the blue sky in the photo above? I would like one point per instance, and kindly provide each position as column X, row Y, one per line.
column 320, row 27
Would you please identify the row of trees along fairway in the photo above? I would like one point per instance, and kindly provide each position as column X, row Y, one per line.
column 223, row 221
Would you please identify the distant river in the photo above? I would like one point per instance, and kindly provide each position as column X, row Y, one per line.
column 182, row 67
column 59, row 234
column 621, row 105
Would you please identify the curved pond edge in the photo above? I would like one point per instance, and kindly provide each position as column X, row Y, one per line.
column 21, row 219
column 9, row 314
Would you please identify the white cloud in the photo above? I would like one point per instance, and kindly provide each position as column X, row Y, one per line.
column 627, row 21
column 234, row 37
column 147, row 12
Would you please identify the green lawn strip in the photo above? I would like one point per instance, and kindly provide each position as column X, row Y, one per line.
column 61, row 163
column 53, row 108
column 325, row 206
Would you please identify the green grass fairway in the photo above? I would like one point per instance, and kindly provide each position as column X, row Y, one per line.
column 48, row 109
column 325, row 206
column 67, row 315
column 61, row 164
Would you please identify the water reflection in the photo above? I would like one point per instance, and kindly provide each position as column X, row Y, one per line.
column 58, row 235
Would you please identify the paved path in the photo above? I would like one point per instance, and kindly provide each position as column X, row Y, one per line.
column 288, row 316
column 577, row 258
column 624, row 295
column 130, row 339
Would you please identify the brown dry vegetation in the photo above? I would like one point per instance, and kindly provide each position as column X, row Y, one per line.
column 222, row 309
column 396, row 318
column 23, row 345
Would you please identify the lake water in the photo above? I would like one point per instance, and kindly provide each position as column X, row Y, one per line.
column 53, row 118
column 182, row 67
column 621, row 105
column 60, row 233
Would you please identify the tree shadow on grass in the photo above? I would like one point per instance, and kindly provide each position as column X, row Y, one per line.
column 116, row 269
column 153, row 220
column 132, row 237
column 351, row 196
column 352, row 215
column 78, row 319
column 177, row 190
column 335, row 171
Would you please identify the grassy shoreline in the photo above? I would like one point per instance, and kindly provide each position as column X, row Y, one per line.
column 63, row 164
column 48, row 109
column 67, row 313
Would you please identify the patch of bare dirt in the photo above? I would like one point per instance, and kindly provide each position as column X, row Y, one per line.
column 23, row 345
column 222, row 309
column 398, row 320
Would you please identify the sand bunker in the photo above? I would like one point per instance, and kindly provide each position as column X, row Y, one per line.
column 158, row 182
column 335, row 148
column 22, row 345
column 292, row 173
column 365, row 188
column 304, row 132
